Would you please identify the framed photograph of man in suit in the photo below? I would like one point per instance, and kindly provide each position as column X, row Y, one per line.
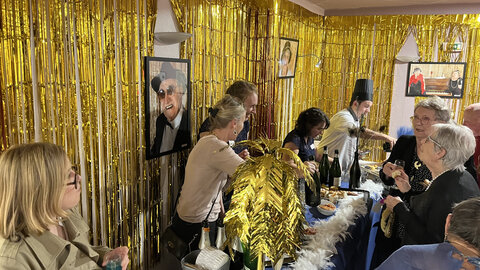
column 167, row 106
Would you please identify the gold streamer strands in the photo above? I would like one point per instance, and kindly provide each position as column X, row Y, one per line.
column 230, row 42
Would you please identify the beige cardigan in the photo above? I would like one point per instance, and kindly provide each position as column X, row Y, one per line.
column 48, row 251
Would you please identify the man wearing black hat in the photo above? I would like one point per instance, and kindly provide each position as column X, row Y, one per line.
column 342, row 132
column 172, row 132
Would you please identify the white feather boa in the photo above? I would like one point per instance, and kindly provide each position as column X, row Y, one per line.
column 316, row 253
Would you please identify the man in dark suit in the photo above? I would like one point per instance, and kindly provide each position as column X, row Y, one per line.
column 172, row 126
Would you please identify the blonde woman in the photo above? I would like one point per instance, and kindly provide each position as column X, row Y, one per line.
column 209, row 164
column 40, row 226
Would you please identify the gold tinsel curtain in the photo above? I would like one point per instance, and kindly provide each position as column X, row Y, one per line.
column 71, row 74
column 361, row 47
column 240, row 40
column 432, row 31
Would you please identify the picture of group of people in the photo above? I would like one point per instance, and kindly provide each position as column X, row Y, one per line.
column 437, row 82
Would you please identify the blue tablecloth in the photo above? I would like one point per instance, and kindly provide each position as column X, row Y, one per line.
column 356, row 251
column 352, row 252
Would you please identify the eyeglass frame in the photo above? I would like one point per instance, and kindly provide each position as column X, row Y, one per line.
column 75, row 181
column 435, row 142
column 422, row 120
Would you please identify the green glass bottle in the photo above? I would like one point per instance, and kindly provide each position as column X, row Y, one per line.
column 335, row 172
column 324, row 167
column 248, row 261
column 355, row 173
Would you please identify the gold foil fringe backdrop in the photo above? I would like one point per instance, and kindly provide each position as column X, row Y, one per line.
column 70, row 73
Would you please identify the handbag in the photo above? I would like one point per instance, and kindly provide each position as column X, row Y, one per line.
column 174, row 243
column 386, row 222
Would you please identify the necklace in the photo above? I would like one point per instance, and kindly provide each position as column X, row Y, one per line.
column 433, row 178
column 452, row 82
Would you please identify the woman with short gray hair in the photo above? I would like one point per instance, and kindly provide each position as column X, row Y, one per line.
column 459, row 143
column 444, row 153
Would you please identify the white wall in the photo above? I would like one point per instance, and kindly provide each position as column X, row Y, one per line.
column 402, row 106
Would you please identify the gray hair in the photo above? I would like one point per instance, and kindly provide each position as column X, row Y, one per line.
column 442, row 112
column 464, row 217
column 227, row 109
column 458, row 142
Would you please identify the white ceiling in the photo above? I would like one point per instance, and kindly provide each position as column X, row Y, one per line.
column 383, row 7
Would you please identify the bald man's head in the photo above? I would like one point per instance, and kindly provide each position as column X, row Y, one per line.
column 471, row 118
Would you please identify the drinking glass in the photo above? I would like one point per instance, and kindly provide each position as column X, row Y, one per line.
column 400, row 164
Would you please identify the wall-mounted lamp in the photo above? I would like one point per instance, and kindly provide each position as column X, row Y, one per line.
column 169, row 38
column 407, row 58
column 319, row 61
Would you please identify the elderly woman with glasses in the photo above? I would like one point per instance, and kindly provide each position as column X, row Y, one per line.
column 40, row 226
column 427, row 112
column 443, row 152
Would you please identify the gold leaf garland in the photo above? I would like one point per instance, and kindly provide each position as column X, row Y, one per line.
column 265, row 211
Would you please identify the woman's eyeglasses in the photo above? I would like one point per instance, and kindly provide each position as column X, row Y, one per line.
column 435, row 142
column 75, row 177
column 424, row 120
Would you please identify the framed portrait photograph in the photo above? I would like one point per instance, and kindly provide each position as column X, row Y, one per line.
column 288, row 57
column 436, row 79
column 167, row 105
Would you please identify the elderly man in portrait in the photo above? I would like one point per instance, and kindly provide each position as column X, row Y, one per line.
column 172, row 129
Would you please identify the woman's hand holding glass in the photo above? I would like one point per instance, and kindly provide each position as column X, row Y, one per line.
column 389, row 168
column 402, row 181
column 120, row 254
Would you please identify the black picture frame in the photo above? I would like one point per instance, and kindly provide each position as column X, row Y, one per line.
column 286, row 69
column 443, row 79
column 167, row 99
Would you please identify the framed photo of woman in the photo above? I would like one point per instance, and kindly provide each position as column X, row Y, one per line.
column 436, row 79
column 287, row 57
column 167, row 106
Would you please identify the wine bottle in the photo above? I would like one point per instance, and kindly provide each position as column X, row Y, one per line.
column 248, row 261
column 237, row 262
column 335, row 172
column 355, row 173
column 324, row 167
column 221, row 237
column 311, row 198
column 205, row 236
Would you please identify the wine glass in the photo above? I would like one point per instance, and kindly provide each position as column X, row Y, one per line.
column 400, row 164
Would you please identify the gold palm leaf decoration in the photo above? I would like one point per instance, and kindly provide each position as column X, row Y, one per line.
column 265, row 210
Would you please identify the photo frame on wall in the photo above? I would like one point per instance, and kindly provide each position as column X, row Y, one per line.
column 167, row 105
column 436, row 79
column 287, row 57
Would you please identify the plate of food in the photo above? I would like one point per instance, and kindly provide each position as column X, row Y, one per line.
column 327, row 208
